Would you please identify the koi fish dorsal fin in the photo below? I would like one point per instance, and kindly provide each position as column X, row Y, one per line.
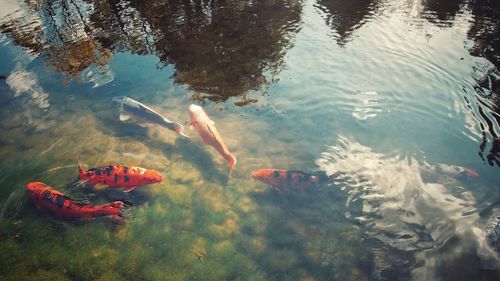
column 129, row 189
column 214, row 132
column 146, row 108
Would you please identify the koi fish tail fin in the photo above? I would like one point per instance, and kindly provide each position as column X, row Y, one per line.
column 323, row 177
column 184, row 135
column 231, row 160
column 114, row 209
column 178, row 128
column 470, row 173
column 333, row 179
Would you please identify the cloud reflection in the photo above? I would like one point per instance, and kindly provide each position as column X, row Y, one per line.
column 407, row 205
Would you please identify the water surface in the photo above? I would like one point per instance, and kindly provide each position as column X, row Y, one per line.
column 387, row 95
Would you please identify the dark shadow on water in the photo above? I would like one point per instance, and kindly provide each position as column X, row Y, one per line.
column 483, row 32
column 466, row 266
column 327, row 246
column 311, row 226
column 442, row 12
column 112, row 126
column 345, row 16
column 89, row 194
column 199, row 157
column 388, row 263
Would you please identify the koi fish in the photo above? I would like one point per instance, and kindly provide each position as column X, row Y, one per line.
column 281, row 178
column 132, row 109
column 55, row 202
column 206, row 128
column 120, row 176
column 438, row 170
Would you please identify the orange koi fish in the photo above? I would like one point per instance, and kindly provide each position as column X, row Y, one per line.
column 281, row 178
column 119, row 176
column 439, row 170
column 206, row 128
column 55, row 202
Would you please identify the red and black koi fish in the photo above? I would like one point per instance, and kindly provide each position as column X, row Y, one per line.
column 120, row 176
column 281, row 178
column 47, row 198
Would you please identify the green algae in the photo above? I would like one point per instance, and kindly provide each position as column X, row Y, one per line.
column 110, row 276
column 243, row 229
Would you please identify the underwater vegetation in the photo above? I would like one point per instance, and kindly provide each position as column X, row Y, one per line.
column 412, row 85
column 194, row 225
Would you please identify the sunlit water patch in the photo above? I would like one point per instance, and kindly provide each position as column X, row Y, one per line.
column 407, row 205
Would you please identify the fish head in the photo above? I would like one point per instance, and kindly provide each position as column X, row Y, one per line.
column 85, row 175
column 35, row 188
column 151, row 176
column 269, row 176
column 195, row 112
column 194, row 108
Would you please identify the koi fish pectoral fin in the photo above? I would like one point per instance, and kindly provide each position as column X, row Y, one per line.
column 101, row 185
column 212, row 130
column 80, row 183
column 118, row 219
column 128, row 189
column 277, row 188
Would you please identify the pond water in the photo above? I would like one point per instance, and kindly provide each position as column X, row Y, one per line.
column 390, row 98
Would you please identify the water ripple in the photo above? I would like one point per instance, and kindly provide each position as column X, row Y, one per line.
column 396, row 200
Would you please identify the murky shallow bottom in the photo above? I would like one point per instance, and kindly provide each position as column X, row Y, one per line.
column 380, row 109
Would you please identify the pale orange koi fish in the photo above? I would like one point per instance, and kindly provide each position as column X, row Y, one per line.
column 206, row 128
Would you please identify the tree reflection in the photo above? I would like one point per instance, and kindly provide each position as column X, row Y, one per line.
column 345, row 16
column 220, row 48
column 484, row 32
column 441, row 12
